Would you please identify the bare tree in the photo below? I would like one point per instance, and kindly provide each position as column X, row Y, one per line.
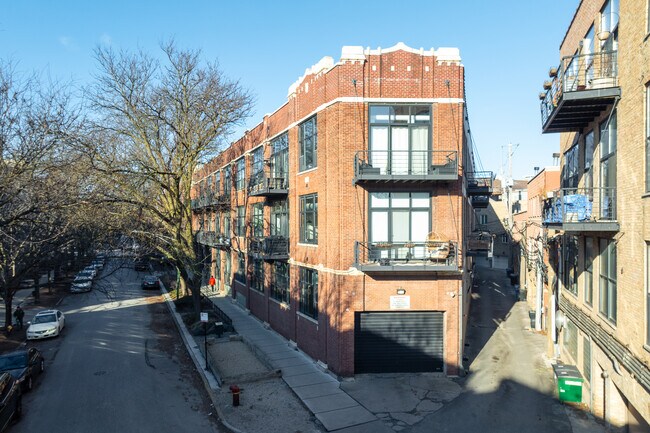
column 155, row 122
column 40, row 185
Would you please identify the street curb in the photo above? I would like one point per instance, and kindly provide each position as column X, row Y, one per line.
column 197, row 364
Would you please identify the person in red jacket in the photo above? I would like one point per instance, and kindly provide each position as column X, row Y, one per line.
column 212, row 282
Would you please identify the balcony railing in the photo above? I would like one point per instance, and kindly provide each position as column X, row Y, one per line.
column 270, row 248
column 405, row 165
column 479, row 183
column 269, row 183
column 210, row 200
column 582, row 209
column 584, row 86
column 212, row 239
column 416, row 257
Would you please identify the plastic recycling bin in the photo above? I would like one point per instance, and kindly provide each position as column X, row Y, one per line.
column 569, row 383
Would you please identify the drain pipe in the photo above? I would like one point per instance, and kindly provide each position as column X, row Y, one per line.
column 461, row 369
column 605, row 376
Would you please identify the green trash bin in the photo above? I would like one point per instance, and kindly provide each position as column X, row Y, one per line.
column 569, row 383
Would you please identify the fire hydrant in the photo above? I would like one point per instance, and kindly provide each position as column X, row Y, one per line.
column 235, row 394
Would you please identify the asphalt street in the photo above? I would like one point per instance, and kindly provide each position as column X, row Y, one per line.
column 110, row 371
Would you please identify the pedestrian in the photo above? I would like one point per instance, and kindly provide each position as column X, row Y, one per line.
column 19, row 314
column 212, row 282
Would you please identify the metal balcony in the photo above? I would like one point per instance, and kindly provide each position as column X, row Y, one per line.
column 405, row 165
column 479, row 183
column 581, row 210
column 584, row 87
column 212, row 239
column 406, row 257
column 269, row 248
column 269, row 184
column 480, row 201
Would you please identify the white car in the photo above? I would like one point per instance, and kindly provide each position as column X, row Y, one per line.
column 89, row 270
column 48, row 323
column 81, row 284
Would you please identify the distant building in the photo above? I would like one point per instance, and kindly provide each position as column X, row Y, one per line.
column 598, row 224
column 342, row 219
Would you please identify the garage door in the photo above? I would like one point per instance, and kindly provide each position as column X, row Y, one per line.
column 398, row 342
column 500, row 262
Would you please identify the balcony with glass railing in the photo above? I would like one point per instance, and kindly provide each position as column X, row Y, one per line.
column 269, row 248
column 579, row 90
column 581, row 210
column 406, row 257
column 405, row 165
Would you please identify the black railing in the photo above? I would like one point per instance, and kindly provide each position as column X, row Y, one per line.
column 270, row 247
column 579, row 73
column 580, row 205
column 427, row 163
column 442, row 254
column 479, row 182
column 269, row 181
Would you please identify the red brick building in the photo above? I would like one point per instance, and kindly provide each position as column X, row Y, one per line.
column 340, row 220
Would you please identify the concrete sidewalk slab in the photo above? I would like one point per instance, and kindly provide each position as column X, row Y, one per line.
column 327, row 403
column 308, row 379
column 338, row 419
column 320, row 389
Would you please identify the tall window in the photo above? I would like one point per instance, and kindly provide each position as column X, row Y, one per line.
column 308, row 304
column 280, row 158
column 607, row 287
column 280, row 219
column 241, row 221
column 590, row 254
column 309, row 219
column 280, row 282
column 570, row 172
column 227, row 181
column 483, row 219
column 571, row 264
column 399, row 138
column 240, row 180
column 647, row 288
column 608, row 141
column 647, row 135
column 227, row 271
column 570, row 339
column 308, row 143
column 217, row 183
column 257, row 278
column 589, row 160
column 227, row 232
column 399, row 217
column 258, row 220
column 257, row 173
column 217, row 224
column 240, row 274
column 586, row 358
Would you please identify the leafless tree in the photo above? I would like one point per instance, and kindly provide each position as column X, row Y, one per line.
column 155, row 121
column 41, row 187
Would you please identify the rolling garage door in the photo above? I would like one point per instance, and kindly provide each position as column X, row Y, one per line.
column 398, row 342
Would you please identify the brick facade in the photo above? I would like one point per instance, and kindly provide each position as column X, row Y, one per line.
column 618, row 387
column 339, row 95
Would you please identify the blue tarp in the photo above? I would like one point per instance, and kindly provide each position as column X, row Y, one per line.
column 571, row 208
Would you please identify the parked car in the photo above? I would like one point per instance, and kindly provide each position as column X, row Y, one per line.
column 48, row 323
column 89, row 270
column 11, row 400
column 24, row 365
column 150, row 282
column 97, row 264
column 140, row 265
column 81, row 283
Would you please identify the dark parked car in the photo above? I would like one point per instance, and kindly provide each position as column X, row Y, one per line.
column 150, row 282
column 11, row 400
column 24, row 365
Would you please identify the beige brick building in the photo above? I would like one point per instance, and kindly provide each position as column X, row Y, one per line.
column 599, row 221
column 341, row 219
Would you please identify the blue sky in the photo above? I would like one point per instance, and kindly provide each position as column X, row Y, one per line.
column 507, row 47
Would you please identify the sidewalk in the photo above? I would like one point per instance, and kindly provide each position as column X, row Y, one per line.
column 319, row 390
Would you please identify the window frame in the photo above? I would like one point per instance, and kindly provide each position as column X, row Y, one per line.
column 588, row 271
column 308, row 299
column 280, row 282
column 305, row 237
column 257, row 166
column 570, row 263
column 240, row 221
column 647, row 130
column 279, row 209
column 308, row 143
column 607, row 287
column 240, row 174
column 257, row 274
column 391, row 210
column 240, row 273
column 257, row 220
column 280, row 157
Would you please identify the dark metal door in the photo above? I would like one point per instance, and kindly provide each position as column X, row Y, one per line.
column 398, row 342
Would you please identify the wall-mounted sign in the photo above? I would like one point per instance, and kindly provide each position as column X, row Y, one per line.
column 400, row 302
